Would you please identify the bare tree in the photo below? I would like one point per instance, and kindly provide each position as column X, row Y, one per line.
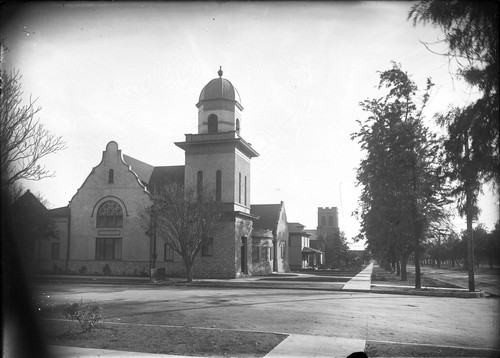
column 23, row 139
column 186, row 219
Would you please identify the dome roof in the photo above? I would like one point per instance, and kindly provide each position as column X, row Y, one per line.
column 220, row 88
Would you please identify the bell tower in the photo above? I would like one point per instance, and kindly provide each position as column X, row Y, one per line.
column 219, row 107
column 218, row 160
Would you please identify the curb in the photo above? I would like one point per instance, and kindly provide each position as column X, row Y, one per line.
column 431, row 293
column 253, row 285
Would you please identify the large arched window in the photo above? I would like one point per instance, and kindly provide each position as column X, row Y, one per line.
column 110, row 214
column 323, row 221
column 213, row 123
column 330, row 221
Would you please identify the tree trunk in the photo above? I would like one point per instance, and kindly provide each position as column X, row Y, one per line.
column 189, row 269
column 404, row 276
column 470, row 242
column 438, row 249
column 417, row 264
column 398, row 268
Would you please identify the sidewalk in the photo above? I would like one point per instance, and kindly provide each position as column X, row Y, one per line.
column 362, row 281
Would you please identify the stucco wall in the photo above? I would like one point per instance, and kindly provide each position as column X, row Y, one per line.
column 127, row 192
column 282, row 239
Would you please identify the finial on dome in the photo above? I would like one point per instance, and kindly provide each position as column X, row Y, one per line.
column 220, row 71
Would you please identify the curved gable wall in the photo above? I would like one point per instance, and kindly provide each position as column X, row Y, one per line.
column 127, row 191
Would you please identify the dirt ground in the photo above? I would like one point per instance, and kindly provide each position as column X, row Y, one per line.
column 376, row 317
column 161, row 339
column 381, row 276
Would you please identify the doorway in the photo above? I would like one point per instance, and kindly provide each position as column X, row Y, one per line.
column 244, row 267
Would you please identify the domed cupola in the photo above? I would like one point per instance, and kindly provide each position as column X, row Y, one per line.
column 219, row 107
column 219, row 88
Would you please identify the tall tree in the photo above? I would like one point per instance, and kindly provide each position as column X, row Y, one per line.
column 186, row 219
column 23, row 139
column 471, row 33
column 400, row 179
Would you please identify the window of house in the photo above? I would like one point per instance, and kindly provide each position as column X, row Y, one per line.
column 108, row 249
column 111, row 176
column 266, row 253
column 207, row 249
column 283, row 250
column 218, row 185
column 54, row 252
column 255, row 253
column 213, row 123
column 168, row 253
column 110, row 214
column 199, row 184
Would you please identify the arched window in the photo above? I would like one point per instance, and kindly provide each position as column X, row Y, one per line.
column 330, row 221
column 199, row 184
column 238, row 126
column 111, row 176
column 110, row 214
column 213, row 123
column 218, row 185
column 323, row 221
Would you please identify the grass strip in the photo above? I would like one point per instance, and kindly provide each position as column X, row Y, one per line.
column 164, row 340
column 386, row 349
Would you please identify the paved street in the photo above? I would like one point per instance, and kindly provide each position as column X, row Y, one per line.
column 409, row 319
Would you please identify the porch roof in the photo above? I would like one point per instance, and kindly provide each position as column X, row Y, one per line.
column 312, row 251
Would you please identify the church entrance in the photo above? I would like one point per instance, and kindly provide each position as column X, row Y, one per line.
column 244, row 268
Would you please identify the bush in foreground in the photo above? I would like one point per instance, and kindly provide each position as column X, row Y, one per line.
column 88, row 314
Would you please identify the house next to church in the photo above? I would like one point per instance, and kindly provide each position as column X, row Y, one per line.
column 100, row 229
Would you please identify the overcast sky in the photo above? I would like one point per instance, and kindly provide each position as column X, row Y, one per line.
column 132, row 72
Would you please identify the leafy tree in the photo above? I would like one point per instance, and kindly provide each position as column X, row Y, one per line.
column 184, row 219
column 348, row 259
column 493, row 245
column 472, row 146
column 23, row 139
column 400, row 176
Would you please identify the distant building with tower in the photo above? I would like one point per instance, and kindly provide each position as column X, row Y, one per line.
column 326, row 237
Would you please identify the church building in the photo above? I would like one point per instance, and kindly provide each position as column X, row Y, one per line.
column 100, row 230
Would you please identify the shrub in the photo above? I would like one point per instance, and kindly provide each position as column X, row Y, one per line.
column 87, row 314
column 82, row 270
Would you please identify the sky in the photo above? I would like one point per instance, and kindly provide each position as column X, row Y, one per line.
column 132, row 72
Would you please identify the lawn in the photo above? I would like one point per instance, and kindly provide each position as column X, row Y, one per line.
column 186, row 341
column 386, row 349
column 381, row 276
